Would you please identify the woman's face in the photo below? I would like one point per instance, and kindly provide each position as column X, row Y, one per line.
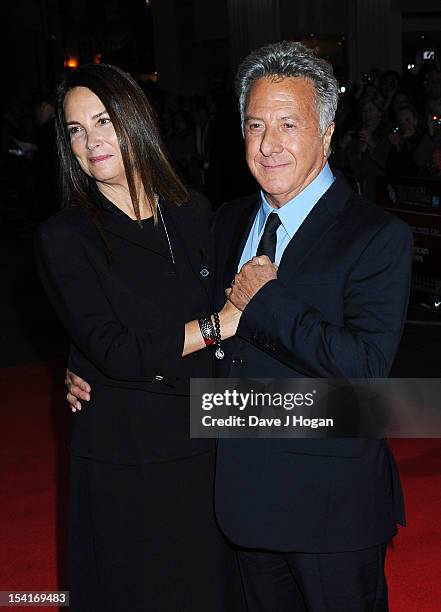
column 407, row 122
column 92, row 137
column 370, row 115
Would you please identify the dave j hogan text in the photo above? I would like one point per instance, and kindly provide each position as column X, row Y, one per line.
column 290, row 420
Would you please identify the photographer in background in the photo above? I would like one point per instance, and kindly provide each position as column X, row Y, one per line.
column 428, row 152
column 389, row 84
column 364, row 149
column 404, row 138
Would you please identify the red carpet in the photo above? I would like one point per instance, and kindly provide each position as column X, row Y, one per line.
column 414, row 563
column 33, row 477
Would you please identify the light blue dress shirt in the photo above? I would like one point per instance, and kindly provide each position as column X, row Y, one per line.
column 292, row 214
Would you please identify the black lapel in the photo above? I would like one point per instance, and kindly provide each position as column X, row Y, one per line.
column 323, row 218
column 117, row 223
column 186, row 224
column 130, row 230
column 229, row 249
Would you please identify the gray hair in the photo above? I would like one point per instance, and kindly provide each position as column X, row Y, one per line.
column 290, row 59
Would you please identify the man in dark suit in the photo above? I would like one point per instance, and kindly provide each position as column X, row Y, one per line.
column 325, row 296
column 322, row 277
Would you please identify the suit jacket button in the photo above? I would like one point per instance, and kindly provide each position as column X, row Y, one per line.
column 204, row 272
column 253, row 337
column 237, row 361
column 159, row 377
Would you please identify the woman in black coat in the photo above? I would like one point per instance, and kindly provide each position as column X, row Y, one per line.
column 125, row 266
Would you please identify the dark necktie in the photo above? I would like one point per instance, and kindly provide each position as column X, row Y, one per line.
column 267, row 244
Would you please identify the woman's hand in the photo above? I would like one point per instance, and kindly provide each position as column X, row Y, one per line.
column 77, row 389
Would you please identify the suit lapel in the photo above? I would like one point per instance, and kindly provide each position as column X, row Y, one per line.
column 309, row 234
column 130, row 230
column 241, row 227
column 323, row 218
column 119, row 224
column 184, row 224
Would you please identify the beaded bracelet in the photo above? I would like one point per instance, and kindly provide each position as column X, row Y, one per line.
column 219, row 352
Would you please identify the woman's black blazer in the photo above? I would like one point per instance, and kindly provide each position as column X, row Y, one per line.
column 125, row 315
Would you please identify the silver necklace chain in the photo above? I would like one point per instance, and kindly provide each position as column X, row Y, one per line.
column 166, row 233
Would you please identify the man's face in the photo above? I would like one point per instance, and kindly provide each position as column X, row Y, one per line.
column 284, row 148
column 407, row 122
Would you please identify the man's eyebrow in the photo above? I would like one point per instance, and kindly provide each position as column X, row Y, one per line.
column 104, row 112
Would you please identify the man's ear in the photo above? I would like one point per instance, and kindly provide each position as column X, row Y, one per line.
column 327, row 139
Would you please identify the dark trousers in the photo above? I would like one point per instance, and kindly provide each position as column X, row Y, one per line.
column 303, row 582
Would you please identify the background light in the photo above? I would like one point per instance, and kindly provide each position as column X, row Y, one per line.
column 71, row 62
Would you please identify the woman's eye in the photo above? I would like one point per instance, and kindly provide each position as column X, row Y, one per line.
column 74, row 130
column 103, row 120
column 288, row 125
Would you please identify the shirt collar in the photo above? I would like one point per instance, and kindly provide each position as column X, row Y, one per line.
column 299, row 206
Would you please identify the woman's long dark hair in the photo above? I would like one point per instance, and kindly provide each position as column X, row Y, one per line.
column 133, row 119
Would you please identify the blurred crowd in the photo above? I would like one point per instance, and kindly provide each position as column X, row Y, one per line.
column 386, row 125
column 390, row 125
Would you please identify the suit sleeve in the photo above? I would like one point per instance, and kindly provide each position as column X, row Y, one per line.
column 374, row 310
column 74, row 289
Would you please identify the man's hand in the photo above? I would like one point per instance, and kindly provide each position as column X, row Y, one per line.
column 77, row 389
column 252, row 277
